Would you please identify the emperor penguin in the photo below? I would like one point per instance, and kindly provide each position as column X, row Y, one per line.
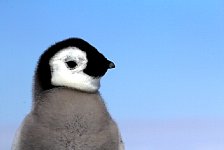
column 68, row 112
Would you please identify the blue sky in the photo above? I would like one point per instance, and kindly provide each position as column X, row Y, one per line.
column 168, row 80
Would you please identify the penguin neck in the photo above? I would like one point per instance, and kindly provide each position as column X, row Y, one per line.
column 63, row 97
column 39, row 91
column 60, row 106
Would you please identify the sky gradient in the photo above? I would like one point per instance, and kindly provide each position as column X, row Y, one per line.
column 166, row 92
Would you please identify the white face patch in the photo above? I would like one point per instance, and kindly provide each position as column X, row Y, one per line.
column 67, row 70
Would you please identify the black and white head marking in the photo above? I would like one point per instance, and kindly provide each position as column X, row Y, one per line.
column 72, row 63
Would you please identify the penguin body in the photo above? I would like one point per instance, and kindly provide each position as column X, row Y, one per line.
column 68, row 111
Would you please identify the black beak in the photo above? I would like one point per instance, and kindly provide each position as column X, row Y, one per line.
column 111, row 65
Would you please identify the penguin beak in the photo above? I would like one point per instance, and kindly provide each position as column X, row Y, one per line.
column 111, row 65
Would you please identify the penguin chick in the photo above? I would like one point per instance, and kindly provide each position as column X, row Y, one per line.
column 68, row 112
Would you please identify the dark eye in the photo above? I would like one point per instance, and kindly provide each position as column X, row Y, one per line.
column 71, row 64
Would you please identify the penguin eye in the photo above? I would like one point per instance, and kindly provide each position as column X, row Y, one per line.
column 71, row 64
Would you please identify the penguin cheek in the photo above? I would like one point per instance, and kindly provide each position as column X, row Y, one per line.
column 54, row 67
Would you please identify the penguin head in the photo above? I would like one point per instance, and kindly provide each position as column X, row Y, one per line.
column 72, row 63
